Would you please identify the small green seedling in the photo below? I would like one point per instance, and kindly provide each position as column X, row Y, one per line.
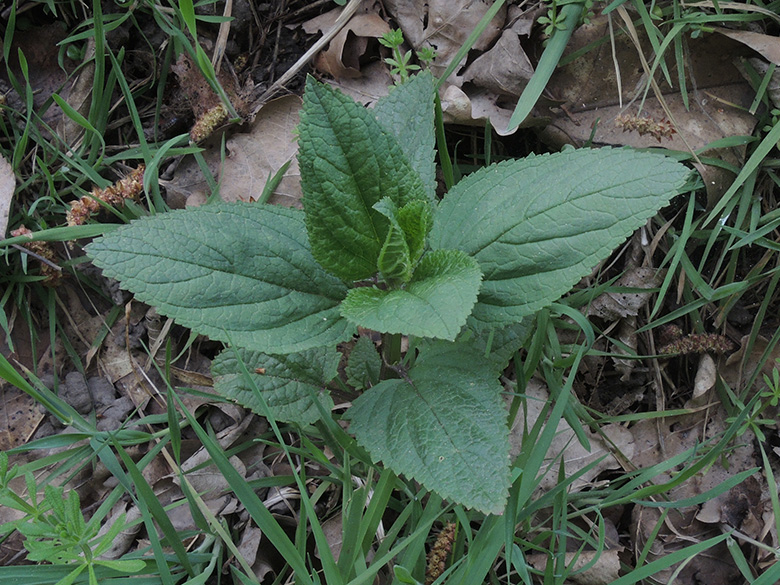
column 375, row 247
column 400, row 62
column 55, row 530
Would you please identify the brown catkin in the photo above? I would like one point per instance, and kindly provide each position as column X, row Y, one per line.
column 114, row 195
column 437, row 556
column 43, row 250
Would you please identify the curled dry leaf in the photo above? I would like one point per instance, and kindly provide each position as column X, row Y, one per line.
column 766, row 45
column 341, row 58
column 706, row 376
column 257, row 155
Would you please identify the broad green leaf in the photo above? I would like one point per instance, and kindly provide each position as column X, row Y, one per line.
column 495, row 345
column 539, row 224
column 435, row 303
column 407, row 113
column 290, row 383
column 444, row 426
column 235, row 272
column 348, row 163
column 364, row 364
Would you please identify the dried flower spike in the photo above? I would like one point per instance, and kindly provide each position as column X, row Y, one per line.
column 437, row 556
column 45, row 254
column 698, row 343
column 208, row 122
column 646, row 125
column 114, row 195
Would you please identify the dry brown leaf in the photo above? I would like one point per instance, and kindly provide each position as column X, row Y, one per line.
column 40, row 46
column 127, row 536
column 188, row 187
column 260, row 153
column 342, row 57
column 741, row 508
column 575, row 456
column 605, row 570
column 762, row 67
column 332, row 529
column 661, row 439
column 586, row 96
column 766, row 45
column 19, row 417
column 7, row 187
column 444, row 26
column 588, row 90
column 249, row 547
column 79, row 97
column 375, row 83
column 740, row 367
column 612, row 306
column 504, row 69
column 706, row 376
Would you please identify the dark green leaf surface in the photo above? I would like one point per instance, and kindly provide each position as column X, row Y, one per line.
column 435, row 303
column 348, row 163
column 537, row 225
column 235, row 272
column 445, row 427
column 364, row 364
column 290, row 383
column 407, row 113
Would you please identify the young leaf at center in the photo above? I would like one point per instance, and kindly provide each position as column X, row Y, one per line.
column 435, row 303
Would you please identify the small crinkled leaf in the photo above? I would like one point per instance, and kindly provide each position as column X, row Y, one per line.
column 416, row 220
column 290, row 383
column 394, row 262
column 236, row 272
column 407, row 113
column 348, row 162
column 364, row 364
column 539, row 224
column 435, row 303
column 445, row 427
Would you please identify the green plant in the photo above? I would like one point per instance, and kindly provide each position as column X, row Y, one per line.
column 770, row 397
column 399, row 62
column 55, row 530
column 376, row 248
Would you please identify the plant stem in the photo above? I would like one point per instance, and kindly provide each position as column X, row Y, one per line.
column 391, row 348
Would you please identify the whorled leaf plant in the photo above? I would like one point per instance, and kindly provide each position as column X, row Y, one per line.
column 374, row 247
